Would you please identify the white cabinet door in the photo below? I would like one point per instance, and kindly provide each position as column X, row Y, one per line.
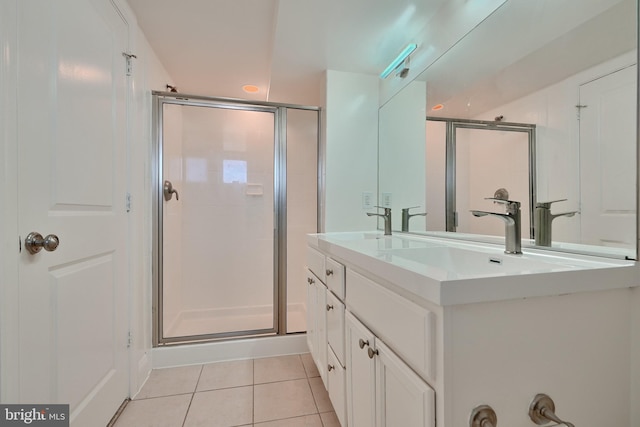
column 336, row 387
column 360, row 371
column 321, row 330
column 335, row 325
column 312, row 304
column 402, row 397
column 71, row 113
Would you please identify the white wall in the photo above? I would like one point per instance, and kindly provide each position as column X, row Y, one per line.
column 302, row 208
column 148, row 74
column 436, row 161
column 401, row 154
column 351, row 149
column 635, row 357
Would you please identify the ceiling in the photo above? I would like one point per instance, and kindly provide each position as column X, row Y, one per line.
column 214, row 47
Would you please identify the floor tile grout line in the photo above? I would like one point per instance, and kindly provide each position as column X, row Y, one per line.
column 161, row 396
column 253, row 391
column 193, row 395
column 315, row 401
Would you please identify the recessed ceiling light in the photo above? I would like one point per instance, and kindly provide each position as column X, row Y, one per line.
column 437, row 107
column 250, row 88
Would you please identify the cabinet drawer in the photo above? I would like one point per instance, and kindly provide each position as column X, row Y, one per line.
column 336, row 387
column 406, row 327
column 335, row 325
column 334, row 273
column 315, row 263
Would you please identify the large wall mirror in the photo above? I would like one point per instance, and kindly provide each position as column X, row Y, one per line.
column 564, row 71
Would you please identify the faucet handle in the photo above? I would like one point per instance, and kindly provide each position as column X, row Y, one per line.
column 387, row 210
column 412, row 207
column 503, row 201
column 547, row 205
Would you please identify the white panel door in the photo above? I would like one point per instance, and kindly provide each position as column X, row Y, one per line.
column 608, row 160
column 71, row 138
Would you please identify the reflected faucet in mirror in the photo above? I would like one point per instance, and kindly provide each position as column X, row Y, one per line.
column 387, row 219
column 543, row 221
column 511, row 218
column 406, row 216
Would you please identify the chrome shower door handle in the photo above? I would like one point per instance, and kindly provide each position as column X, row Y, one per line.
column 169, row 191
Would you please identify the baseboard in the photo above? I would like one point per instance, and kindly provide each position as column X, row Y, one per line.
column 251, row 348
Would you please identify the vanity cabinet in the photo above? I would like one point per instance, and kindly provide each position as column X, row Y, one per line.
column 405, row 350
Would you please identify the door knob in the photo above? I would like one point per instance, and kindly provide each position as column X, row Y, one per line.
column 169, row 191
column 34, row 242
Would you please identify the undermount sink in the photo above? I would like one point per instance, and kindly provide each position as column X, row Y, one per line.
column 454, row 272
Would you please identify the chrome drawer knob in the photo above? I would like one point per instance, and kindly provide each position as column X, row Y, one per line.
column 362, row 343
column 371, row 352
column 329, row 272
column 330, row 367
column 329, row 307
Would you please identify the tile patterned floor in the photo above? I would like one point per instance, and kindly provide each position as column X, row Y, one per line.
column 284, row 391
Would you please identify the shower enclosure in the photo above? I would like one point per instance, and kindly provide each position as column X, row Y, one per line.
column 236, row 185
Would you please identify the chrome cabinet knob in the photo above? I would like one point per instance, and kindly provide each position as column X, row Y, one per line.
column 330, row 367
column 329, row 307
column 362, row 343
column 371, row 352
column 329, row 272
column 34, row 243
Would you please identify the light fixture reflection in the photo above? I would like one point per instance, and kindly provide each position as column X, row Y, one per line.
column 399, row 60
column 250, row 88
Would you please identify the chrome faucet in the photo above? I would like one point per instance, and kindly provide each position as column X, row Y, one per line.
column 387, row 219
column 406, row 216
column 544, row 218
column 512, row 228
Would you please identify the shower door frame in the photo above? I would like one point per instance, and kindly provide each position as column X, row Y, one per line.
column 279, row 110
column 452, row 125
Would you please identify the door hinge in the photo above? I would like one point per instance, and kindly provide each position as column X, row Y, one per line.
column 128, row 202
column 579, row 110
column 129, row 339
column 129, row 65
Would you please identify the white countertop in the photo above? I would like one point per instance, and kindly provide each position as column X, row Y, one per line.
column 449, row 272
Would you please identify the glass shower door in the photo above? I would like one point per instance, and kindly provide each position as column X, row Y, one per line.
column 219, row 241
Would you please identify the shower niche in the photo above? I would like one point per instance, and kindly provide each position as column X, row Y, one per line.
column 227, row 244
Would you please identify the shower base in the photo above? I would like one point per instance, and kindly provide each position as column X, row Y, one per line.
column 237, row 319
